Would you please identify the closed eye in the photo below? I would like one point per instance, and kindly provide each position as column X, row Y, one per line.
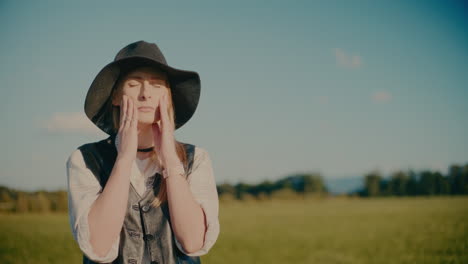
column 133, row 84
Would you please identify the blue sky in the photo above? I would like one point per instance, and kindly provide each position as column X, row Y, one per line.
column 336, row 87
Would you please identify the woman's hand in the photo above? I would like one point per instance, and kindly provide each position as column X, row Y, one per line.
column 127, row 135
column 163, row 134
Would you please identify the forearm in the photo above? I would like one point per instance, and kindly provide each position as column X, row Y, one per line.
column 187, row 216
column 107, row 213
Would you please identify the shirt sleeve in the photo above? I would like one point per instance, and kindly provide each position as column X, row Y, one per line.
column 203, row 186
column 83, row 190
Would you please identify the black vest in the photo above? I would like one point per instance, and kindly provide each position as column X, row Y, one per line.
column 144, row 225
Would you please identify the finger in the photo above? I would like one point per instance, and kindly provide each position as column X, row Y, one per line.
column 156, row 131
column 167, row 121
column 129, row 112
column 121, row 113
column 170, row 118
column 135, row 116
column 163, row 110
column 156, row 113
column 124, row 111
column 120, row 110
column 157, row 127
column 157, row 136
column 131, row 109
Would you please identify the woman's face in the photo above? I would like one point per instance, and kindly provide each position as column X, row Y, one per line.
column 145, row 86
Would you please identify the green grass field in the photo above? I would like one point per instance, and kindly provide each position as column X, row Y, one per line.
column 334, row 230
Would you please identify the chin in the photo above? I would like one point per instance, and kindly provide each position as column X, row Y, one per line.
column 146, row 121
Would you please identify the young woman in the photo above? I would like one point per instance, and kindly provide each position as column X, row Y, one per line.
column 140, row 196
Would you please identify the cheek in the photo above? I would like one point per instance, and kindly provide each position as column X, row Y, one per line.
column 129, row 92
column 158, row 94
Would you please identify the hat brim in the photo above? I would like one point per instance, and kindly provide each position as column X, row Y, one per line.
column 185, row 87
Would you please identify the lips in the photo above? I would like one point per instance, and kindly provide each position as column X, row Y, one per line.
column 145, row 108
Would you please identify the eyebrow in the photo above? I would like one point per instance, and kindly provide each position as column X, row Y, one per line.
column 141, row 78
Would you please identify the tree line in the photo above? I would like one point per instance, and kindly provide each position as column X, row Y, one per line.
column 42, row 201
column 37, row 202
column 294, row 186
column 411, row 183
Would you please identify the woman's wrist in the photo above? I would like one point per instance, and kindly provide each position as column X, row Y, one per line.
column 173, row 166
column 124, row 160
column 173, row 170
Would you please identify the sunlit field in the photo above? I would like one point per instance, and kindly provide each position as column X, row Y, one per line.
column 329, row 230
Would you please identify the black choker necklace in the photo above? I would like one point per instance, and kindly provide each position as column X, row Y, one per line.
column 146, row 149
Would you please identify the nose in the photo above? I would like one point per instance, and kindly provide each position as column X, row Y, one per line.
column 145, row 90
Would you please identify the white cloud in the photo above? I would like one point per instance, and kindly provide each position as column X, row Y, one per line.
column 70, row 123
column 347, row 60
column 381, row 97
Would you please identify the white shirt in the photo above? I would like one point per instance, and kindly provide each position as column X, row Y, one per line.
column 84, row 189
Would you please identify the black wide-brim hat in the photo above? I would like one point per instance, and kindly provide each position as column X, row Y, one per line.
column 185, row 85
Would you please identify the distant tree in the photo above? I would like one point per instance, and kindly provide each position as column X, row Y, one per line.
column 5, row 197
column 59, row 201
column 241, row 190
column 22, row 203
column 6, row 202
column 385, row 187
column 40, row 203
column 314, row 183
column 283, row 184
column 413, row 183
column 442, row 184
column 458, row 179
column 399, row 183
column 5, row 194
column 428, row 183
column 373, row 184
column 464, row 188
column 226, row 188
column 266, row 187
column 303, row 183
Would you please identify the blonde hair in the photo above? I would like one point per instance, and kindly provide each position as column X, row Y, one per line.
column 117, row 92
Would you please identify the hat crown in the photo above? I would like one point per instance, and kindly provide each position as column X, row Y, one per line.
column 141, row 49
